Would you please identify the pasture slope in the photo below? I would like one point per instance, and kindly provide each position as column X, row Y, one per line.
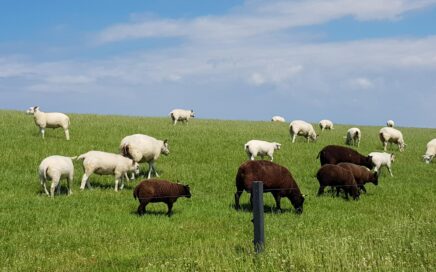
column 391, row 228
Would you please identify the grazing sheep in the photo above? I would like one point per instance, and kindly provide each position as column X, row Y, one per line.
column 261, row 148
column 50, row 120
column 181, row 115
column 326, row 124
column 430, row 152
column 155, row 190
column 339, row 178
column 391, row 135
column 276, row 179
column 56, row 168
column 390, row 123
column 143, row 148
column 353, row 137
column 334, row 154
column 301, row 128
column 277, row 118
column 104, row 163
column 361, row 174
column 380, row 159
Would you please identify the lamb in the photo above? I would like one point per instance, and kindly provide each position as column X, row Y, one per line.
column 326, row 124
column 56, row 168
column 380, row 159
column 353, row 136
column 391, row 135
column 143, row 148
column 277, row 118
column 104, row 163
column 339, row 178
column 361, row 174
column 302, row 128
column 334, row 154
column 50, row 120
column 276, row 179
column 430, row 152
column 390, row 123
column 181, row 115
column 261, row 148
column 155, row 190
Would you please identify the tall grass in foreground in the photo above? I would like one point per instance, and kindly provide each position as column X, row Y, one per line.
column 390, row 228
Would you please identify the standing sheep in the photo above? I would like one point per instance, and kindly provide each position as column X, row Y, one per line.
column 261, row 148
column 430, row 152
column 353, row 136
column 277, row 118
column 104, row 163
column 276, row 179
column 361, row 174
column 339, row 178
column 326, row 124
column 302, row 128
column 50, row 120
column 390, row 123
column 391, row 135
column 155, row 190
column 56, row 168
column 380, row 159
column 143, row 148
column 334, row 154
column 181, row 115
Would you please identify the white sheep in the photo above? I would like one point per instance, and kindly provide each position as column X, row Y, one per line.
column 380, row 159
column 143, row 148
column 326, row 124
column 56, row 168
column 277, row 118
column 390, row 123
column 104, row 163
column 302, row 128
column 260, row 148
column 430, row 152
column 181, row 115
column 353, row 136
column 391, row 135
column 50, row 120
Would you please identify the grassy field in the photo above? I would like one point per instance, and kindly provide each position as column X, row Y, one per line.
column 391, row 228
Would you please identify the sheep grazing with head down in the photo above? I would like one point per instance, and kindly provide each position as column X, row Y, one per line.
column 326, row 124
column 380, row 159
column 181, row 115
column 430, row 152
column 56, row 168
column 362, row 175
column 50, row 120
column 391, row 135
column 339, row 178
column 260, row 148
column 302, row 128
column 277, row 118
column 390, row 123
column 154, row 190
column 353, row 137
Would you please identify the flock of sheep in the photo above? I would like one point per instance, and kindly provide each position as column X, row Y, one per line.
column 139, row 148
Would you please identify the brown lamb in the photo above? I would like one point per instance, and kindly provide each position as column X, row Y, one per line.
column 334, row 154
column 362, row 175
column 339, row 178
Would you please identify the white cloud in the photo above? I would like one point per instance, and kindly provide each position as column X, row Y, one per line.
column 361, row 83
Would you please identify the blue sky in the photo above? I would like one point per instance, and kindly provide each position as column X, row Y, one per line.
column 354, row 62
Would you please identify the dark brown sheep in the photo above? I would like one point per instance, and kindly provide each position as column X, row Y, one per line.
column 361, row 174
column 334, row 154
column 276, row 179
column 155, row 190
column 339, row 178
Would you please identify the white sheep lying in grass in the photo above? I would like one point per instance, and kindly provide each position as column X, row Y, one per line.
column 104, row 163
column 353, row 136
column 380, row 159
column 143, row 148
column 56, row 168
column 430, row 152
column 260, row 148
column 277, row 118
column 50, row 120
column 392, row 135
column 302, row 128
column 325, row 124
column 181, row 115
column 390, row 123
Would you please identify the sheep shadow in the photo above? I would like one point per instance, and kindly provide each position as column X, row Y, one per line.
column 268, row 209
column 152, row 213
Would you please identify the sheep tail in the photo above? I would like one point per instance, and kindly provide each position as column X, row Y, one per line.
column 135, row 192
column 317, row 156
column 125, row 151
column 44, row 172
column 80, row 157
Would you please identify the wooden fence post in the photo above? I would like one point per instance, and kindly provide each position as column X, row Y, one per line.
column 258, row 214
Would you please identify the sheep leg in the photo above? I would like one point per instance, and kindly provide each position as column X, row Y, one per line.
column 261, row 157
column 293, row 137
column 270, row 155
column 141, row 207
column 277, row 199
column 153, row 166
column 117, row 180
column 320, row 190
column 70, row 182
column 170, row 207
column 385, row 144
column 67, row 134
column 390, row 171
column 85, row 182
column 237, row 196
column 362, row 187
column 44, row 186
column 42, row 131
column 54, row 184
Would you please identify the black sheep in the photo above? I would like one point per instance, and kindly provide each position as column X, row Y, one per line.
column 339, row 178
column 361, row 174
column 334, row 154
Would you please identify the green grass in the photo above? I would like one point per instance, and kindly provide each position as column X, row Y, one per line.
column 391, row 228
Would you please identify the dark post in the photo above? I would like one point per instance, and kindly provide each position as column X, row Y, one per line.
column 259, row 236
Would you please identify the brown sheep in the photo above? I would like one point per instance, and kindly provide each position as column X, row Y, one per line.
column 334, row 154
column 155, row 190
column 361, row 174
column 276, row 179
column 339, row 178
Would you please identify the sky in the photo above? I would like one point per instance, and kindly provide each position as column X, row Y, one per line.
column 353, row 62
